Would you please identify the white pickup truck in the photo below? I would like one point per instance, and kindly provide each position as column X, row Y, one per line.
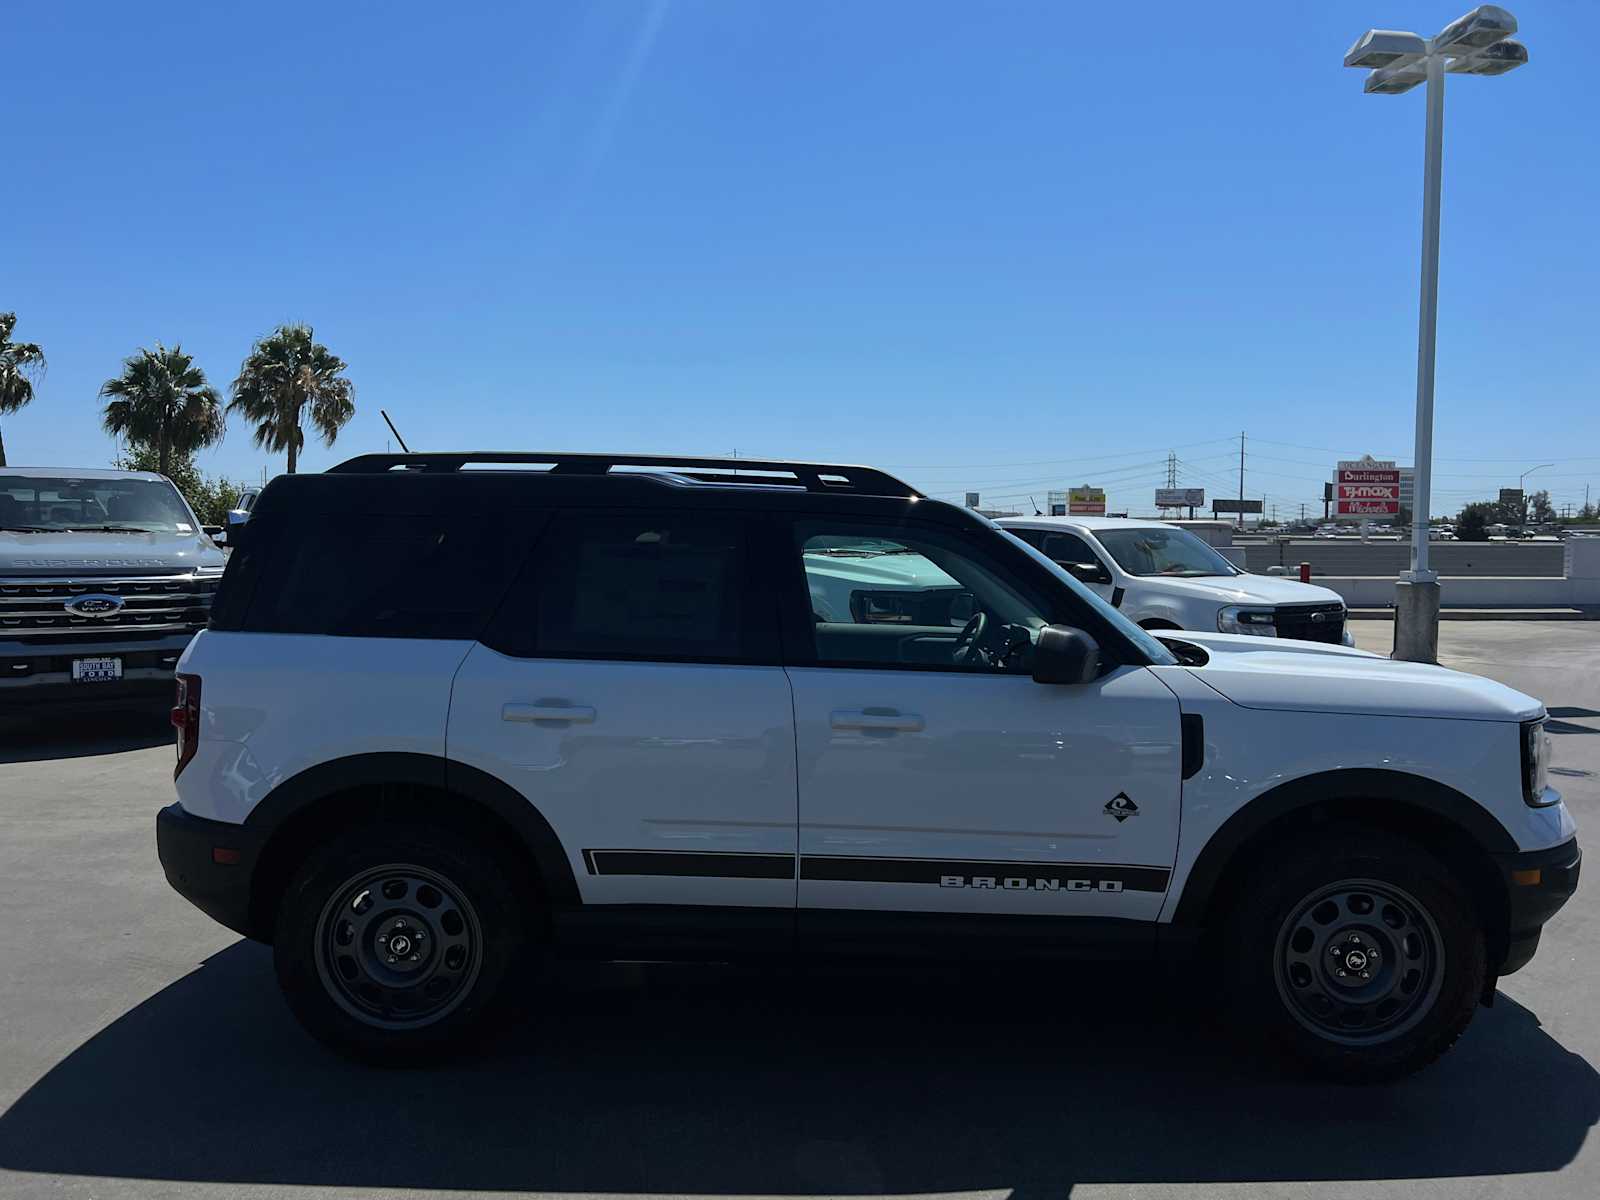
column 1161, row 576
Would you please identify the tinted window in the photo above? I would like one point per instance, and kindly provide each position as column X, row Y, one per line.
column 362, row 576
column 1067, row 547
column 654, row 586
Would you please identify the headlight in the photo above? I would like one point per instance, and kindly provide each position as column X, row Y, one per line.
column 1536, row 765
column 1257, row 622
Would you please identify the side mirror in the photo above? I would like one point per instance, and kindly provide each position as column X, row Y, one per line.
column 1063, row 654
column 236, row 518
column 1088, row 572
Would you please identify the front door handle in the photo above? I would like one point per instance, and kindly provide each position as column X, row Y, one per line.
column 889, row 719
column 548, row 710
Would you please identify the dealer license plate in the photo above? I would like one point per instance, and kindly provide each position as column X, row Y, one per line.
column 96, row 670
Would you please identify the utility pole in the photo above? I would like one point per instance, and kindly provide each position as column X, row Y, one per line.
column 1241, row 479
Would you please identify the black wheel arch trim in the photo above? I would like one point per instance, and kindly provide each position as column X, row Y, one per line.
column 317, row 783
column 1307, row 793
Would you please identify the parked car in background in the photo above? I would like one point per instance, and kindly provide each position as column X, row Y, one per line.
column 1163, row 577
column 104, row 578
column 237, row 515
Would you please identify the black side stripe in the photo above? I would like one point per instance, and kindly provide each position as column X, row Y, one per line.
column 705, row 863
column 712, row 864
column 935, row 870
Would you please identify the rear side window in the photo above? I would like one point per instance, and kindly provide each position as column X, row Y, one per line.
column 370, row 576
column 657, row 586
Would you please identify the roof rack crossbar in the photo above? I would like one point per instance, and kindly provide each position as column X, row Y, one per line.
column 814, row 477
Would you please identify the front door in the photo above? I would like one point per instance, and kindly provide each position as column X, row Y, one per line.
column 631, row 691
column 935, row 775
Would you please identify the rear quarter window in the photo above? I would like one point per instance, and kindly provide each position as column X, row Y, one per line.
column 389, row 576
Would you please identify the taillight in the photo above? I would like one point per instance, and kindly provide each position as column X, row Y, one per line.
column 186, row 719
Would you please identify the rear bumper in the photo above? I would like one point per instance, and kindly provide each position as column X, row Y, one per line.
column 188, row 847
column 1538, row 883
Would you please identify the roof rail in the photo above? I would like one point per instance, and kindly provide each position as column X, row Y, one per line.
column 814, row 477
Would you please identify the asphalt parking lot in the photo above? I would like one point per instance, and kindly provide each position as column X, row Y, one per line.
column 144, row 1050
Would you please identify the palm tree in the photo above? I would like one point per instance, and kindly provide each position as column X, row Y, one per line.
column 162, row 399
column 289, row 375
column 20, row 364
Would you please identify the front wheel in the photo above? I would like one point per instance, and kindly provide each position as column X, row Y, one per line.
column 392, row 941
column 1358, row 954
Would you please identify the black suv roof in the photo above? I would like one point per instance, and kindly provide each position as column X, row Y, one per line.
column 482, row 480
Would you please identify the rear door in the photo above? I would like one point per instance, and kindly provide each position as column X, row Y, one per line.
column 936, row 776
column 631, row 690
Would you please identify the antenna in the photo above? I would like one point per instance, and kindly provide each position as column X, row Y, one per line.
column 394, row 431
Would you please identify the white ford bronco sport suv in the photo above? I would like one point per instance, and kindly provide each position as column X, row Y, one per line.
column 1163, row 577
column 448, row 722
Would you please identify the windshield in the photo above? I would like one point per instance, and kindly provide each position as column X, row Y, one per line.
column 31, row 504
column 1175, row 552
column 1158, row 654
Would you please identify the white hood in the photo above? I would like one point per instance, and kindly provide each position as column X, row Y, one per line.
column 1246, row 589
column 1311, row 677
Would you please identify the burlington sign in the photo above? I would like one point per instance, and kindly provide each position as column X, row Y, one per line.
column 1367, row 488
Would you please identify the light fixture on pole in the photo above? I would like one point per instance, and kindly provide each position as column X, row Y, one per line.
column 1476, row 44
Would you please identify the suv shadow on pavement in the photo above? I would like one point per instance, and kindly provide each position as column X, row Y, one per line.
column 829, row 1082
column 64, row 732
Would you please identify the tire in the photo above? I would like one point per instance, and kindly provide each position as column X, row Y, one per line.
column 443, row 900
column 1353, row 900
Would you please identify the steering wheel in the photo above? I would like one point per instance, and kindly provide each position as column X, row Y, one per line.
column 970, row 640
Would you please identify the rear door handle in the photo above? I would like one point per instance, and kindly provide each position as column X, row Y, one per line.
column 547, row 711
column 876, row 718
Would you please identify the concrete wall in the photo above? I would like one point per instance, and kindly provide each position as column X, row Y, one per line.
column 1351, row 558
column 1577, row 587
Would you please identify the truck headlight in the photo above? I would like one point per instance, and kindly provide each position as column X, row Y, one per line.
column 1257, row 622
column 1536, row 765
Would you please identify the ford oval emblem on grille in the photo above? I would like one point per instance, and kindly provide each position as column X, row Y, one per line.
column 95, row 604
column 1319, row 616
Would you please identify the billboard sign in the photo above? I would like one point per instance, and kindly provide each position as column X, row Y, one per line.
column 972, row 499
column 1086, row 501
column 1236, row 506
column 1367, row 488
column 1511, row 496
column 1180, row 497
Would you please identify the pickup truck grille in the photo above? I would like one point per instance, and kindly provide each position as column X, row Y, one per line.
column 36, row 610
column 1311, row 622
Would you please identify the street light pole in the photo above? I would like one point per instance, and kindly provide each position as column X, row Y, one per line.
column 1478, row 43
column 1428, row 334
column 1522, row 525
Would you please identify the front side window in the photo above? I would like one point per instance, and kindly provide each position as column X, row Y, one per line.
column 65, row 504
column 899, row 597
column 1171, row 552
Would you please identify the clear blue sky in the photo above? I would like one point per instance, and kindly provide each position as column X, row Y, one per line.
column 1005, row 247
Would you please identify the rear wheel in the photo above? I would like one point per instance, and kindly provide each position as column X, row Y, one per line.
column 1359, row 955
column 392, row 942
